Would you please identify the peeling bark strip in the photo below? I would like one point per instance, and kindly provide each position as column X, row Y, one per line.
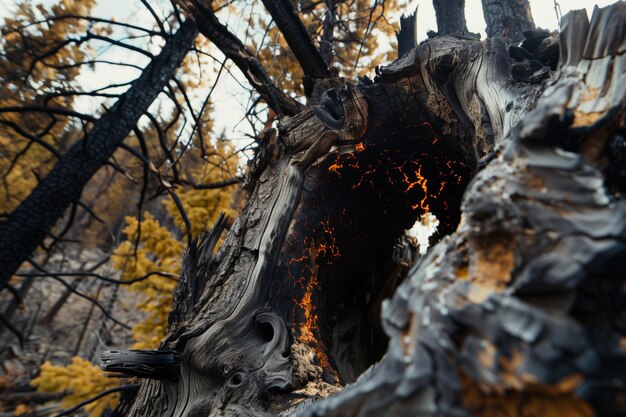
column 29, row 223
column 520, row 309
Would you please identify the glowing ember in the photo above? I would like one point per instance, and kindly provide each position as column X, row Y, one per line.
column 315, row 252
column 335, row 168
column 310, row 316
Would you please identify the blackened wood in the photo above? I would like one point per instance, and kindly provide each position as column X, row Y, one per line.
column 155, row 364
column 517, row 300
column 508, row 18
column 520, row 306
column 407, row 35
column 450, row 16
column 298, row 38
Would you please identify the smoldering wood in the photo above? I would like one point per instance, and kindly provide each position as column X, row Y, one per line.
column 519, row 306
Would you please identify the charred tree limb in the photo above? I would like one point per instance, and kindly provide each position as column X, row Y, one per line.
column 28, row 224
column 156, row 364
column 73, row 410
column 328, row 35
column 235, row 50
column 407, row 36
column 298, row 39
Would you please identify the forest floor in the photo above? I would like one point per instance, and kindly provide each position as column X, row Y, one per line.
column 79, row 328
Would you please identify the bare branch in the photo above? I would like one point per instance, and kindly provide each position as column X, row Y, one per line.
column 71, row 411
column 246, row 60
column 299, row 40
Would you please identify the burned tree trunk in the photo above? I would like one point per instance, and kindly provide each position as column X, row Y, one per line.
column 510, row 18
column 519, row 309
column 450, row 16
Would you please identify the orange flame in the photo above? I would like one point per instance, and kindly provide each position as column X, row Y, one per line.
column 309, row 328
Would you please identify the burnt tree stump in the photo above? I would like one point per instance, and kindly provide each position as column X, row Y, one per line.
column 517, row 310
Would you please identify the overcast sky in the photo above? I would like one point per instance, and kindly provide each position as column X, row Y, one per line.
column 232, row 99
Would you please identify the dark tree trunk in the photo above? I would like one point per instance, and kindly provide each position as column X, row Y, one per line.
column 407, row 36
column 519, row 310
column 32, row 220
column 14, row 304
column 450, row 16
column 297, row 37
column 508, row 18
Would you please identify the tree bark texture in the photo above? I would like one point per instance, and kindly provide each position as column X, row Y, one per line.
column 519, row 310
column 28, row 224
column 407, row 35
column 508, row 18
column 450, row 16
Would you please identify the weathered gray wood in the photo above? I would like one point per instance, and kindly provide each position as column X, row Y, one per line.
column 517, row 300
column 156, row 364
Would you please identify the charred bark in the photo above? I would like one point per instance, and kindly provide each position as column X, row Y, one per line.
column 508, row 18
column 407, row 36
column 29, row 223
column 519, row 309
column 450, row 16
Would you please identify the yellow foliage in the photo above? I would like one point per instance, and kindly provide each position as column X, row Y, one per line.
column 157, row 251
column 154, row 248
column 81, row 380
column 29, row 33
column 202, row 207
column 22, row 409
column 360, row 34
